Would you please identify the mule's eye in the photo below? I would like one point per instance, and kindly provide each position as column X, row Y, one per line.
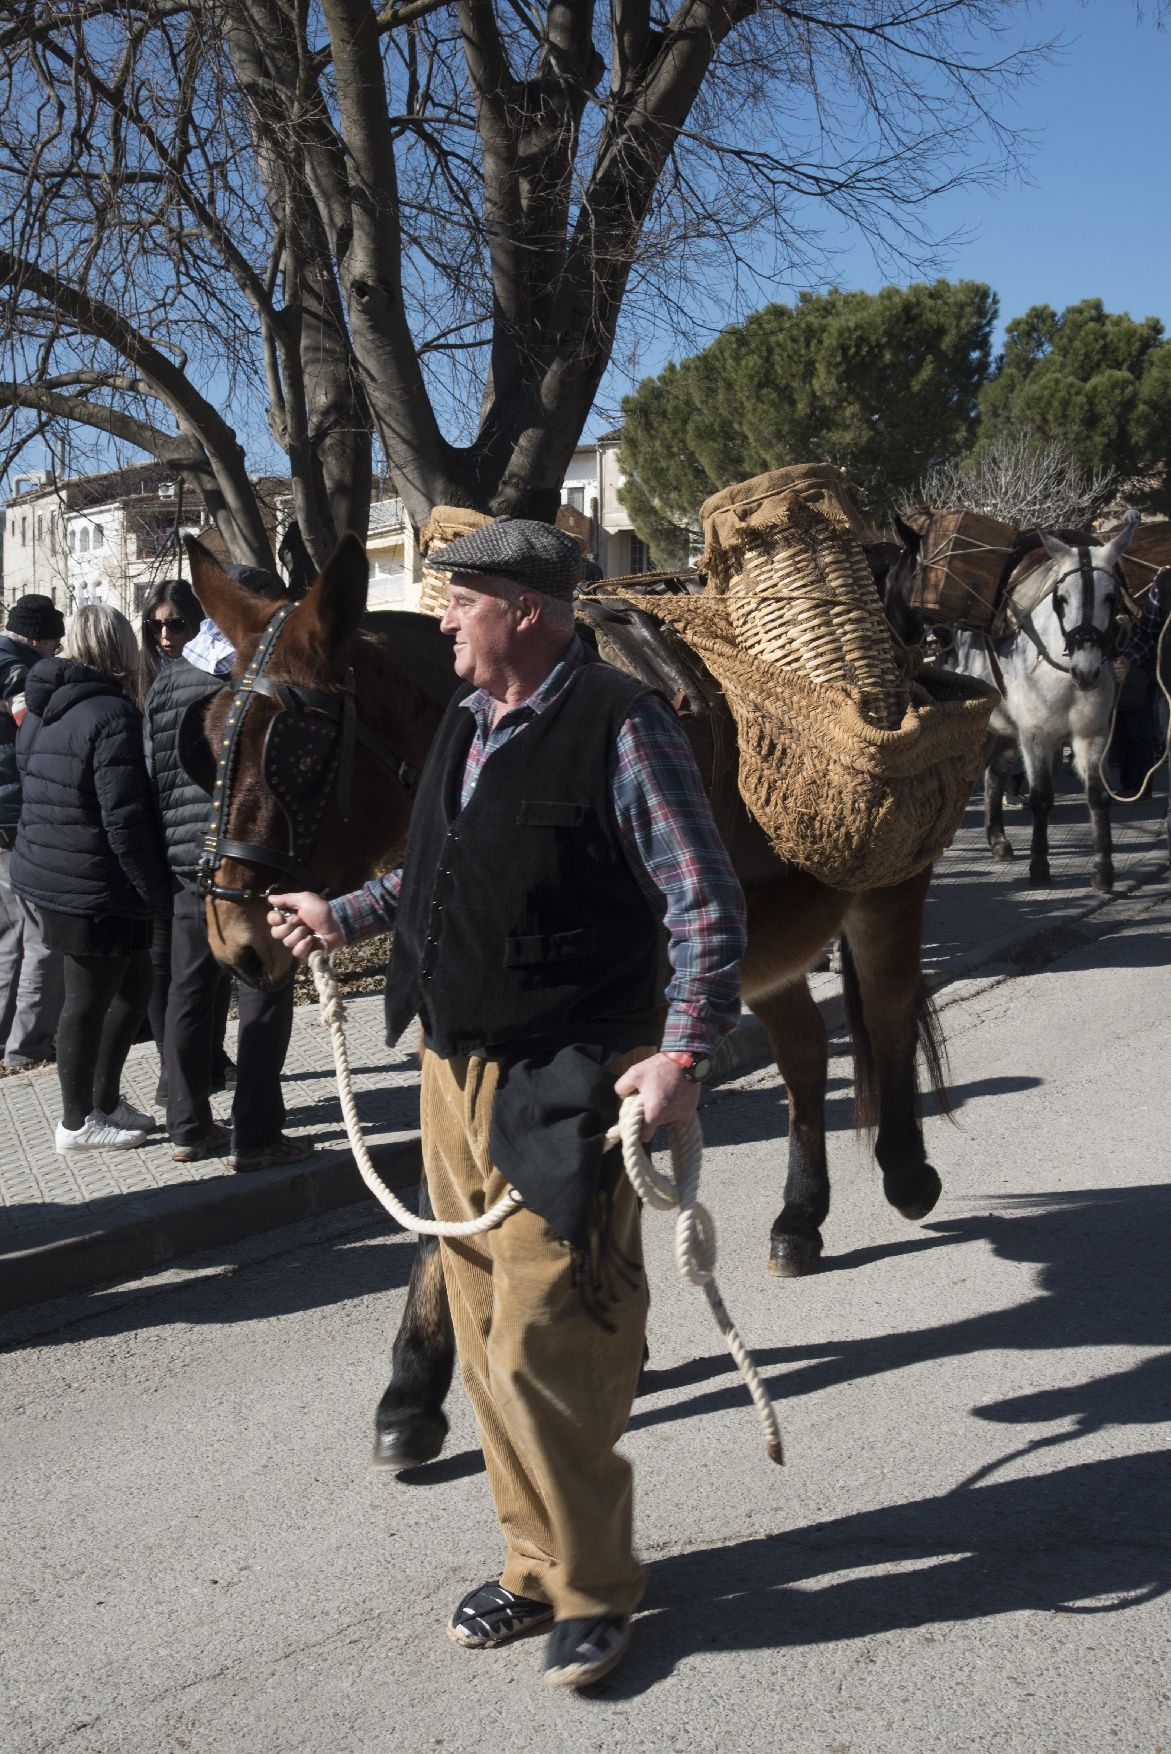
column 1062, row 601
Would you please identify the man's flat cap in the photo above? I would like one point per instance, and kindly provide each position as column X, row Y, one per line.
column 534, row 554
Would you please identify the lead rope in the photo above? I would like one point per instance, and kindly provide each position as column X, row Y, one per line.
column 695, row 1233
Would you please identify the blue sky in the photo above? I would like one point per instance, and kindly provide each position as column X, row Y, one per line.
column 1092, row 218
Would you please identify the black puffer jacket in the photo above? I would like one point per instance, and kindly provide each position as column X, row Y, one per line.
column 184, row 807
column 17, row 658
column 88, row 841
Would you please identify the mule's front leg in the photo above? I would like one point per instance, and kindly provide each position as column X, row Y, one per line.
column 410, row 1424
column 1039, row 767
column 800, row 1045
column 1087, row 754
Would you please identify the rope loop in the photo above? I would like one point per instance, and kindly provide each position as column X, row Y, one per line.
column 695, row 1231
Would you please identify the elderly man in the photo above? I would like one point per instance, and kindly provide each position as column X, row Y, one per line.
column 560, row 837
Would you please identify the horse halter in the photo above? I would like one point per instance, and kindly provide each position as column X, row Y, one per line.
column 1085, row 633
column 308, row 746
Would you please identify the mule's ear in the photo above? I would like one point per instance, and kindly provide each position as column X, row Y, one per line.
column 1120, row 541
column 236, row 612
column 909, row 538
column 338, row 599
column 1058, row 549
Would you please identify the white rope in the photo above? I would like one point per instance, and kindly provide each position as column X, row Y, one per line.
column 695, row 1233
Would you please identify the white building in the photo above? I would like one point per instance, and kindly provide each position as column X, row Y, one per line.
column 96, row 538
column 108, row 538
column 591, row 486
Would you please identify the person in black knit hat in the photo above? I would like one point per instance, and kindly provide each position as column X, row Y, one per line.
column 30, row 973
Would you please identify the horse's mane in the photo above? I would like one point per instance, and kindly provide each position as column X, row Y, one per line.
column 414, row 644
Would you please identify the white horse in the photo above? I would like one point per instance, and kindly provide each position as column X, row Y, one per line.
column 1056, row 685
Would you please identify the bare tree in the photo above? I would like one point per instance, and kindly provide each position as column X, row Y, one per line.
column 421, row 220
column 1023, row 480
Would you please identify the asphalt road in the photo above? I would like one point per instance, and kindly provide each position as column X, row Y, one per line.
column 968, row 1548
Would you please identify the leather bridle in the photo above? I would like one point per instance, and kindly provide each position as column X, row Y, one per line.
column 308, row 750
column 1085, row 633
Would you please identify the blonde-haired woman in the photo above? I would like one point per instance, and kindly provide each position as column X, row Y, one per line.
column 89, row 856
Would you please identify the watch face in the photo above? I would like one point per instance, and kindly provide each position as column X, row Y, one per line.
column 699, row 1068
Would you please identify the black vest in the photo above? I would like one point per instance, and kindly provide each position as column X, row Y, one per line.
column 520, row 919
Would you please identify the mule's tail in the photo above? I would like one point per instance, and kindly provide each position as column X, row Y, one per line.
column 931, row 1044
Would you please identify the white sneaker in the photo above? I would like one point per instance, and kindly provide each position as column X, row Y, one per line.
column 132, row 1119
column 98, row 1133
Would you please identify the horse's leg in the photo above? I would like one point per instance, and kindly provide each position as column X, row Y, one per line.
column 996, row 772
column 1038, row 757
column 1087, row 757
column 798, row 1036
column 410, row 1424
column 890, row 1015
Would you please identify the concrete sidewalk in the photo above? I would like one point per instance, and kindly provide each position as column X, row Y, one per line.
column 71, row 1222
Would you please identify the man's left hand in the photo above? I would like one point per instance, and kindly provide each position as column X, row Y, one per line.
column 668, row 1095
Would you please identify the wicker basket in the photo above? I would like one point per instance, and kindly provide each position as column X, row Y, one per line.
column 444, row 525
column 1148, row 552
column 798, row 589
column 858, row 806
column 962, row 561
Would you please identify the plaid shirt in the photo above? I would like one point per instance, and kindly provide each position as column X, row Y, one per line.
column 1145, row 639
column 666, row 828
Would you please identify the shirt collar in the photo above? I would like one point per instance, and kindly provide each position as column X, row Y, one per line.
column 481, row 704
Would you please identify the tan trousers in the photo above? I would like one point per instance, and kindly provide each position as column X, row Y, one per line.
column 551, row 1389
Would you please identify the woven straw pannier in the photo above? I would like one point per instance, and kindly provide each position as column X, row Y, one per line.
column 444, row 525
column 963, row 558
column 1148, row 551
column 857, row 805
column 785, row 556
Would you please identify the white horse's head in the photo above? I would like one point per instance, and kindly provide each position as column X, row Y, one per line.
column 1082, row 607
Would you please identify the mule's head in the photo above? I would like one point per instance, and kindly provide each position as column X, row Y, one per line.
column 1086, row 597
column 282, row 785
column 898, row 586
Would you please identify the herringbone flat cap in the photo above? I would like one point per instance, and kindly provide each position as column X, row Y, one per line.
column 534, row 554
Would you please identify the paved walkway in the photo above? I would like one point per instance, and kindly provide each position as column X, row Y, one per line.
column 66, row 1222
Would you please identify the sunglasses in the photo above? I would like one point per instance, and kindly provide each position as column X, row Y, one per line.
column 172, row 624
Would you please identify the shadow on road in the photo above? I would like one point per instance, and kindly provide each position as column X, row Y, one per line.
column 1081, row 1538
column 1087, row 1539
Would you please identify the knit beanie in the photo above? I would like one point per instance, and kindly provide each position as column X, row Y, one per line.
column 36, row 617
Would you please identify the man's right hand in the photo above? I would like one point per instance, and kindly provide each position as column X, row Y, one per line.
column 302, row 922
column 1121, row 669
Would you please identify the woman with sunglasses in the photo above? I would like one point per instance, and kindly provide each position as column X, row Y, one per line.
column 171, row 617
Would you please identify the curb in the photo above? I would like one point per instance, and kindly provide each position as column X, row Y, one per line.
column 209, row 1215
column 215, row 1214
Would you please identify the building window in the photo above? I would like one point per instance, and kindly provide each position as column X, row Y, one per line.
column 83, row 542
column 99, row 536
column 40, row 528
column 72, row 540
column 24, row 532
column 575, row 497
column 640, row 558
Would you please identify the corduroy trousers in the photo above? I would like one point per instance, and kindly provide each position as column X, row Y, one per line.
column 551, row 1387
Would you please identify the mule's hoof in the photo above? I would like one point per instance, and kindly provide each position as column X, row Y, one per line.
column 410, row 1444
column 1000, row 849
column 1103, row 882
column 794, row 1257
column 1039, row 876
column 924, row 1200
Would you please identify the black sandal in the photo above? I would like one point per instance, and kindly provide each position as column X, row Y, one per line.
column 492, row 1615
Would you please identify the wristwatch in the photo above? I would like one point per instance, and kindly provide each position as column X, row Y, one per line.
column 695, row 1066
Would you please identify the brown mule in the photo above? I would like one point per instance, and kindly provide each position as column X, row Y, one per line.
column 398, row 669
